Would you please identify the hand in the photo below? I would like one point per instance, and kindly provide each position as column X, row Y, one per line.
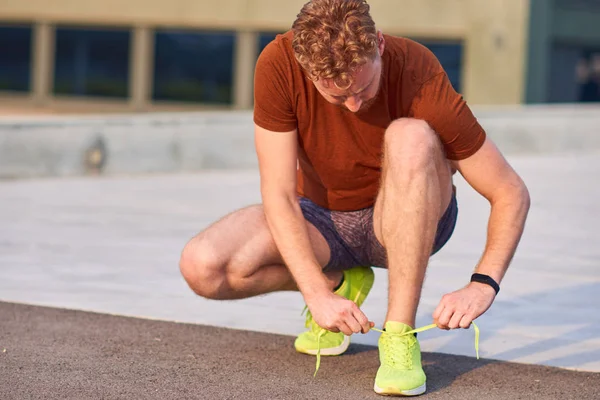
column 458, row 309
column 337, row 314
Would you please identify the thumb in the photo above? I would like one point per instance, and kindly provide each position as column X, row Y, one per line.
column 438, row 310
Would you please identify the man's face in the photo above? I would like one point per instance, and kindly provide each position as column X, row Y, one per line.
column 363, row 92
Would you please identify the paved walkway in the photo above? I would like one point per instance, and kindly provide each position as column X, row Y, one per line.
column 112, row 245
column 64, row 354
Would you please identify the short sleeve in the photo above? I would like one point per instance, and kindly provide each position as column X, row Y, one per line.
column 272, row 90
column 447, row 113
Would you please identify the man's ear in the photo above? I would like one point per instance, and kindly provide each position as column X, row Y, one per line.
column 380, row 43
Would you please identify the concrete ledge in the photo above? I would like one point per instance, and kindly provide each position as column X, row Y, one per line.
column 542, row 128
column 176, row 142
column 132, row 144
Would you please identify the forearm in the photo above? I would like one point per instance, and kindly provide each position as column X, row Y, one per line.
column 505, row 228
column 290, row 234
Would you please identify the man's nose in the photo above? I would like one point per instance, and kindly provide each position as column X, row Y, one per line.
column 353, row 103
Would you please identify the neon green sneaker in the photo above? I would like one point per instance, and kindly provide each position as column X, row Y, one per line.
column 401, row 372
column 357, row 283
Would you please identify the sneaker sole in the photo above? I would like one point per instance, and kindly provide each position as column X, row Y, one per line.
column 331, row 351
column 394, row 392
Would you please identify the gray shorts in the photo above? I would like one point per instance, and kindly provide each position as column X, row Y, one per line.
column 351, row 236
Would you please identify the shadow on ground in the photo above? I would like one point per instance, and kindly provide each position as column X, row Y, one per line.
column 538, row 311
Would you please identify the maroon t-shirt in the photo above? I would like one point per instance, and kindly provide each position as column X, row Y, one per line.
column 340, row 151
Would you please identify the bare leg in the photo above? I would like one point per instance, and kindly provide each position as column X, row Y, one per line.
column 237, row 258
column 415, row 190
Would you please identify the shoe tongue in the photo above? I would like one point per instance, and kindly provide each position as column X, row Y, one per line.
column 396, row 327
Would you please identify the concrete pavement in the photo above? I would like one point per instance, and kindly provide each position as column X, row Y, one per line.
column 112, row 245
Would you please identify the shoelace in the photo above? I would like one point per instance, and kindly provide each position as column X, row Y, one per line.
column 317, row 331
column 418, row 330
column 320, row 331
column 397, row 349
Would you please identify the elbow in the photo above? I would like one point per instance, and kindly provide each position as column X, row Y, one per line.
column 526, row 198
column 520, row 198
column 514, row 195
column 523, row 196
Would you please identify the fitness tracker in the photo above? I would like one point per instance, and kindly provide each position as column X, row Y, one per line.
column 481, row 278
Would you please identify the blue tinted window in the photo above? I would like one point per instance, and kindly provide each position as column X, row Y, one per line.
column 15, row 58
column 450, row 56
column 92, row 62
column 193, row 66
column 586, row 71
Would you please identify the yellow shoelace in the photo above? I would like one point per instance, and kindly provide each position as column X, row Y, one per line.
column 421, row 329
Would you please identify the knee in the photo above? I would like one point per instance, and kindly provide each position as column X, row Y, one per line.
column 202, row 270
column 411, row 145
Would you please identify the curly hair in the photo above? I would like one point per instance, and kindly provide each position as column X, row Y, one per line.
column 333, row 38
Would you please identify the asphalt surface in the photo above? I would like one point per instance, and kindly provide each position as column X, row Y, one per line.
column 51, row 353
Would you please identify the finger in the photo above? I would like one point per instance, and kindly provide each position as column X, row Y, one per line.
column 353, row 323
column 465, row 321
column 362, row 320
column 444, row 318
column 455, row 320
column 438, row 311
column 437, row 314
column 345, row 329
column 330, row 327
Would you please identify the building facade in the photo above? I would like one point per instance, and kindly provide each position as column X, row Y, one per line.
column 141, row 55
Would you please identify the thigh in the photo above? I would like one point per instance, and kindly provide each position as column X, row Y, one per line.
column 243, row 240
column 343, row 232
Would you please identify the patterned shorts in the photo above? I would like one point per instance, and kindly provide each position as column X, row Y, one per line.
column 351, row 236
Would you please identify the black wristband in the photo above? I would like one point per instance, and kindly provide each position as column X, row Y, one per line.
column 485, row 279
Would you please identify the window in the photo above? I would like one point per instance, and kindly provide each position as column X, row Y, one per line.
column 574, row 74
column 588, row 76
column 92, row 62
column 15, row 59
column 194, row 66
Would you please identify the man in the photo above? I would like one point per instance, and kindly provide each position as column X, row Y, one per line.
column 357, row 135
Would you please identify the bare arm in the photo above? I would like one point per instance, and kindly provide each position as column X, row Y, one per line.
column 491, row 176
column 277, row 157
